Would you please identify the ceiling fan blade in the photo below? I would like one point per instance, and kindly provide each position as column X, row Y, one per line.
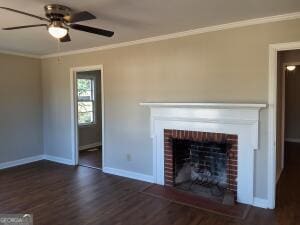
column 25, row 13
column 65, row 38
column 26, row 26
column 93, row 30
column 79, row 16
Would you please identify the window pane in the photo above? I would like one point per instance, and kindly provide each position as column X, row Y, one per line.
column 85, row 89
column 85, row 118
column 84, row 84
column 85, row 107
column 85, row 95
column 85, row 103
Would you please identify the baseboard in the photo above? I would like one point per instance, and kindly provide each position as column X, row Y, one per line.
column 93, row 145
column 21, row 161
column 59, row 160
column 27, row 160
column 129, row 174
column 295, row 140
column 261, row 203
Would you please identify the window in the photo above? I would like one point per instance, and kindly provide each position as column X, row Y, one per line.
column 86, row 101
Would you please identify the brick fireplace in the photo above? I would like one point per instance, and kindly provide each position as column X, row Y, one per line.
column 229, row 128
column 200, row 156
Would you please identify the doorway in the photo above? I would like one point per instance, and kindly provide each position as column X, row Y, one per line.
column 88, row 116
column 273, row 117
column 288, row 109
column 287, row 129
column 291, row 128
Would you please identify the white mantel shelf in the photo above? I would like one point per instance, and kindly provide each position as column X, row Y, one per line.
column 204, row 105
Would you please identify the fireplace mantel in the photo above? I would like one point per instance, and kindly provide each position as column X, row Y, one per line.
column 204, row 105
column 217, row 113
column 241, row 119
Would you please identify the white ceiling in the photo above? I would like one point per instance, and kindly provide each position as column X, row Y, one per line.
column 130, row 19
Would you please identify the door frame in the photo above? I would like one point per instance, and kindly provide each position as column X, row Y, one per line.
column 74, row 116
column 272, row 114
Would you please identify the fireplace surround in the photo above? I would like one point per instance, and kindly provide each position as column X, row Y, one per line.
column 241, row 120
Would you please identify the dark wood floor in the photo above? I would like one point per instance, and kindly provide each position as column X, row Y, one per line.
column 292, row 153
column 288, row 193
column 65, row 195
column 91, row 158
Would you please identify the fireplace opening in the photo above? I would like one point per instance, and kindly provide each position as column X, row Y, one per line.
column 203, row 164
column 201, row 167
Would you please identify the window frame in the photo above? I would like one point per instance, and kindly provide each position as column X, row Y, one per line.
column 94, row 99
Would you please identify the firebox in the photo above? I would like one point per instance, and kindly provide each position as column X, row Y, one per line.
column 201, row 163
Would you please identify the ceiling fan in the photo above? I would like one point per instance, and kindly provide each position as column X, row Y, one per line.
column 59, row 19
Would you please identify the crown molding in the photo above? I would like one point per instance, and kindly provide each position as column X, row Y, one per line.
column 20, row 54
column 243, row 23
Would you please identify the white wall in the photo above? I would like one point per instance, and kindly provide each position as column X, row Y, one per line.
column 21, row 132
column 222, row 66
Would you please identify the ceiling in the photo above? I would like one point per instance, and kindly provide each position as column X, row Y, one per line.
column 130, row 19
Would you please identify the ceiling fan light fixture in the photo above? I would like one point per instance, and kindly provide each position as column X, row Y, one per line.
column 59, row 19
column 57, row 30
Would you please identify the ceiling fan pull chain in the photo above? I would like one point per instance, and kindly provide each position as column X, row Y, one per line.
column 58, row 46
column 59, row 59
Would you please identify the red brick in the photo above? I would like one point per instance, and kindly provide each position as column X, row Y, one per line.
column 201, row 136
column 233, row 182
column 168, row 166
column 169, row 177
column 233, row 173
column 173, row 133
column 206, row 136
column 168, row 146
column 167, row 132
column 214, row 137
column 181, row 134
column 195, row 135
column 232, row 156
column 232, row 167
column 232, row 136
column 169, row 154
column 168, row 161
column 190, row 135
column 169, row 158
column 169, row 184
column 234, row 149
column 169, row 172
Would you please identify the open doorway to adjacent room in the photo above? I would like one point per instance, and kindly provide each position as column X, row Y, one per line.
column 288, row 128
column 88, row 116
